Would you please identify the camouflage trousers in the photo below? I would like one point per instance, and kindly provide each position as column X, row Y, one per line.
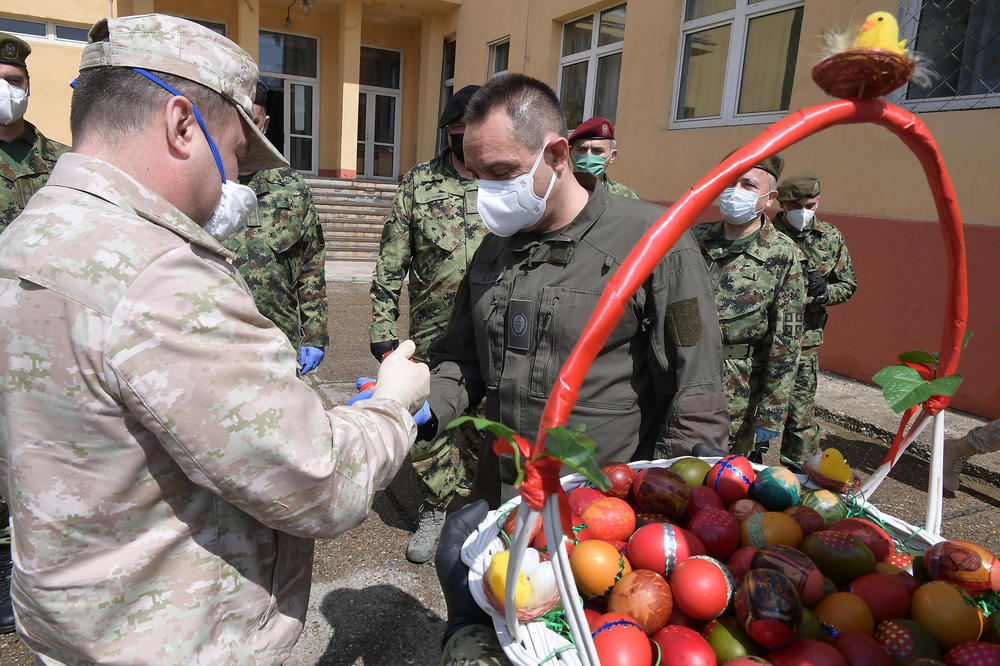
column 801, row 430
column 446, row 467
column 742, row 387
column 475, row 645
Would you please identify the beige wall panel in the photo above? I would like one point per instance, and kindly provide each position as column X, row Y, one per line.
column 70, row 12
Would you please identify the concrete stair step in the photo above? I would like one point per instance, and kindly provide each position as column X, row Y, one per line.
column 340, row 198
column 352, row 236
column 351, row 255
column 351, row 211
column 344, row 225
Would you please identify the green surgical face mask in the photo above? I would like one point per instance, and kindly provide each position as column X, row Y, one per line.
column 590, row 163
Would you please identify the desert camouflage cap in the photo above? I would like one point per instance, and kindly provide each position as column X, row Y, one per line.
column 172, row 45
column 802, row 185
column 13, row 51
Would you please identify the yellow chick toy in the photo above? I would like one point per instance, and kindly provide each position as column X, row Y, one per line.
column 880, row 31
column 829, row 470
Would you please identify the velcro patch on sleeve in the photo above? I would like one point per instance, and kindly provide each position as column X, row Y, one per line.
column 684, row 322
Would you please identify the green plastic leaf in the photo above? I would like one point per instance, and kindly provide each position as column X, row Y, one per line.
column 902, row 387
column 498, row 429
column 918, row 356
column 947, row 385
column 965, row 340
column 575, row 450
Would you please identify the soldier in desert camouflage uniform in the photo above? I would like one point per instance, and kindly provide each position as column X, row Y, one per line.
column 759, row 292
column 830, row 281
column 431, row 233
column 594, row 149
column 281, row 254
column 171, row 469
column 26, row 155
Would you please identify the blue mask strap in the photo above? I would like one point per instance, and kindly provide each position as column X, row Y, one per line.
column 197, row 116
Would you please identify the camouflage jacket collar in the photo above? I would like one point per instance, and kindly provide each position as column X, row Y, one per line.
column 442, row 169
column 43, row 153
column 818, row 226
column 759, row 247
column 260, row 181
column 571, row 234
column 96, row 177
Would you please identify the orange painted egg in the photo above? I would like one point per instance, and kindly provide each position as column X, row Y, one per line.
column 947, row 612
column 644, row 596
column 885, row 595
column 770, row 527
column 825, row 503
column 965, row 564
column 841, row 612
column 609, row 519
column 597, row 566
column 840, row 556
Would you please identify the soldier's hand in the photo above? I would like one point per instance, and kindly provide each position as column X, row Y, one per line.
column 309, row 358
column 402, row 379
column 816, row 287
column 380, row 349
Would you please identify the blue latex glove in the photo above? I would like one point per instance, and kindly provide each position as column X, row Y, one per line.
column 309, row 358
column 763, row 434
column 420, row 418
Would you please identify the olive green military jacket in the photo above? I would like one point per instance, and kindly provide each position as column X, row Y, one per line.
column 825, row 250
column 19, row 180
column 619, row 189
column 431, row 233
column 759, row 293
column 281, row 255
column 654, row 388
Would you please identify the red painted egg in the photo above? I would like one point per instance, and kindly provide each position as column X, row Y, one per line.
column 840, row 556
column 965, row 564
column 768, row 607
column 731, row 477
column 717, row 530
column 610, row 519
column 692, row 470
column 825, row 503
column 621, row 477
column 947, row 612
column 739, row 563
column 581, row 498
column 842, row 611
column 770, row 527
column 861, row 650
column 701, row 498
column 658, row 490
column 702, row 587
column 886, row 596
column 681, row 646
column 620, row 641
column 903, row 576
column 644, row 596
column 795, row 566
column 661, row 546
column 593, row 617
column 808, row 519
column 597, row 566
column 744, row 508
column 973, row 654
column 870, row 534
column 807, row 652
column 905, row 639
column 777, row 488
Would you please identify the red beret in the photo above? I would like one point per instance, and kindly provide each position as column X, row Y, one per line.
column 594, row 128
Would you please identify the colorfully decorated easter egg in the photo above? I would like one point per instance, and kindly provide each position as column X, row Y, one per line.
column 620, row 641
column 965, row 564
column 870, row 534
column 597, row 566
column 702, row 587
column 808, row 519
column 658, row 490
column 717, row 530
column 886, row 596
column 973, row 654
column 644, row 596
column 692, row 470
column 807, row 652
column 838, row 555
column 861, row 650
column 905, row 640
column 728, row 640
column 768, row 607
column 621, row 477
column 825, row 503
column 701, row 498
column 795, row 566
column 731, row 477
column 660, row 546
column 776, row 488
column 843, row 611
column 947, row 612
column 610, row 519
column 681, row 646
column 770, row 527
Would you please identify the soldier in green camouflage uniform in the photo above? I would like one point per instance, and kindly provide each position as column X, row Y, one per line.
column 281, row 254
column 830, row 281
column 594, row 148
column 26, row 158
column 759, row 292
column 431, row 234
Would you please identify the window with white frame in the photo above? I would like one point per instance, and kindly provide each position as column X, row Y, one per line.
column 447, row 88
column 961, row 40
column 499, row 54
column 44, row 30
column 736, row 62
column 590, row 65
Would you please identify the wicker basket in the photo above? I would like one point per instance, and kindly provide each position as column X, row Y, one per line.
column 538, row 644
column 862, row 73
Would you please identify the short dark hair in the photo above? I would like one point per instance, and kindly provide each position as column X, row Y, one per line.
column 533, row 108
column 116, row 101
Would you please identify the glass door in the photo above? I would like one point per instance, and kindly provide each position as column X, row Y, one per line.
column 378, row 135
column 300, row 125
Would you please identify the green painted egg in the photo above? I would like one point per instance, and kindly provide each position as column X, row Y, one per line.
column 840, row 556
column 825, row 503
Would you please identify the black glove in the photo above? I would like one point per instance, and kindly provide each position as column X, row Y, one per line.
column 703, row 450
column 380, row 349
column 452, row 573
column 816, row 287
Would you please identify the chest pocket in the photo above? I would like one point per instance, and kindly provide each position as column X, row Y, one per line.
column 441, row 216
column 489, row 296
column 743, row 304
column 562, row 315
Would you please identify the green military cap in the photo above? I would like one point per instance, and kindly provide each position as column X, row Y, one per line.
column 804, row 184
column 773, row 164
column 13, row 51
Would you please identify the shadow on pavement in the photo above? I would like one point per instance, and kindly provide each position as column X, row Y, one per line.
column 380, row 625
column 397, row 505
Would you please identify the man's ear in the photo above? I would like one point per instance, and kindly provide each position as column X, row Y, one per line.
column 181, row 126
column 267, row 123
column 559, row 150
column 612, row 156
